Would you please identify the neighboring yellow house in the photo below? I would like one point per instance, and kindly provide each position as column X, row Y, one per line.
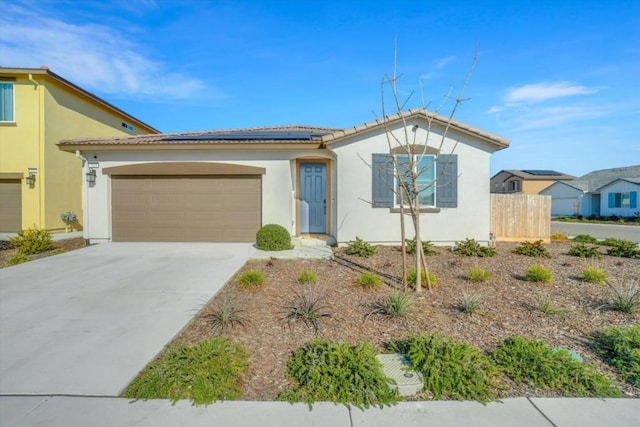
column 38, row 109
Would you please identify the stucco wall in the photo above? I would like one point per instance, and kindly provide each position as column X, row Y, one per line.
column 356, row 217
column 278, row 183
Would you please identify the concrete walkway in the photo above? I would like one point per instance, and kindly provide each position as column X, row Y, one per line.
column 65, row 411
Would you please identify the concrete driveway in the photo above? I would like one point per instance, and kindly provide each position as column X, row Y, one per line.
column 87, row 321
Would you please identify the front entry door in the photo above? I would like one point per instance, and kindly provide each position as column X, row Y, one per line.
column 313, row 202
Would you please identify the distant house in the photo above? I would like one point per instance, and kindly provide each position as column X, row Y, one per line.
column 38, row 182
column 223, row 185
column 529, row 181
column 603, row 192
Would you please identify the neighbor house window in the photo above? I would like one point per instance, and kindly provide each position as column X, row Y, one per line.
column 514, row 185
column 7, row 111
column 425, row 166
column 623, row 200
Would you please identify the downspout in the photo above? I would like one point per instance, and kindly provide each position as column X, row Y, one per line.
column 85, row 208
column 41, row 143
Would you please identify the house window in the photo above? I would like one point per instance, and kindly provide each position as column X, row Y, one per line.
column 514, row 185
column 623, row 200
column 7, row 113
column 443, row 171
column 425, row 166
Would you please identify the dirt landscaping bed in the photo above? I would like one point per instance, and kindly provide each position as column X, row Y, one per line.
column 508, row 308
column 7, row 251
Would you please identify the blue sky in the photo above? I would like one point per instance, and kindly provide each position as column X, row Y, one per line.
column 560, row 79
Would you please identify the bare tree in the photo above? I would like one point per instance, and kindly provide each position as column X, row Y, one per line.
column 408, row 165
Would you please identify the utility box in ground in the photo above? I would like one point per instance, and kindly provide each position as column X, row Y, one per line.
column 396, row 367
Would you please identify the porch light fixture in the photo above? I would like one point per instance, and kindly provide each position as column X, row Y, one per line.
column 31, row 178
column 91, row 176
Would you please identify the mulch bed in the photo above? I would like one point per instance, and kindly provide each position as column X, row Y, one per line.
column 508, row 308
column 7, row 251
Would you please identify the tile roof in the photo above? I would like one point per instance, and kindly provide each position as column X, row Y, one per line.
column 599, row 178
column 290, row 134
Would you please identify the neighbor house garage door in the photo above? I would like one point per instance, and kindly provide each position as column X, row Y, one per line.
column 564, row 206
column 10, row 205
column 186, row 208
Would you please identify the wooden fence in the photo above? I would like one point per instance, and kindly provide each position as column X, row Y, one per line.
column 519, row 217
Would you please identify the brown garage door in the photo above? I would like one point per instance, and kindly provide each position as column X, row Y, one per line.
column 186, row 208
column 10, row 205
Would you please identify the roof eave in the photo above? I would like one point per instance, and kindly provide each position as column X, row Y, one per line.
column 70, row 147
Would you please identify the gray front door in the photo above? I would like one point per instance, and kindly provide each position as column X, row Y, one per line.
column 313, row 202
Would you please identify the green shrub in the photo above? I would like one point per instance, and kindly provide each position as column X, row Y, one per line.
column 273, row 237
column 593, row 275
column 624, row 295
column 307, row 277
column 226, row 315
column 469, row 247
column 18, row 258
column 427, row 247
column 539, row 274
column 620, row 347
column 251, row 279
column 209, row 371
column 477, row 274
column 32, row 241
column 369, row 280
column 396, row 304
column 412, row 275
column 611, row 241
column 532, row 362
column 533, row 249
column 585, row 238
column 450, row 370
column 584, row 251
column 336, row 372
column 471, row 303
column 624, row 249
column 360, row 248
column 307, row 306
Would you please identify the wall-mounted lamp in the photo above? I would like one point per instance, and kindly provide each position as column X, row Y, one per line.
column 31, row 178
column 91, row 176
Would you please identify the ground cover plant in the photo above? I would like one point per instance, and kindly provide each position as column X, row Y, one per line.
column 369, row 280
column 360, row 248
column 477, row 274
column 204, row 373
column 532, row 249
column 620, row 347
column 396, row 304
column 469, row 247
column 427, row 247
column 624, row 295
column 307, row 277
column 534, row 363
column 585, row 238
column 10, row 255
column 337, row 372
column 412, row 275
column 508, row 309
column 251, row 279
column 450, row 369
column 624, row 249
column 583, row 251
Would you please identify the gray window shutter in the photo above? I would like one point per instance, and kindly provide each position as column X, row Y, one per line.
column 382, row 181
column 447, row 184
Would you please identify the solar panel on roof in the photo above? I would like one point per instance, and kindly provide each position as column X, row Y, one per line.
column 249, row 136
column 542, row 172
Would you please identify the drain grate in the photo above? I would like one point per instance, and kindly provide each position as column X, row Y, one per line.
column 397, row 368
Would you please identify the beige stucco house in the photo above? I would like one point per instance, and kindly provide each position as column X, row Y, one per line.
column 530, row 181
column 223, row 185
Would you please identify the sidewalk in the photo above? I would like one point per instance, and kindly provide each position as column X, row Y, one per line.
column 27, row 411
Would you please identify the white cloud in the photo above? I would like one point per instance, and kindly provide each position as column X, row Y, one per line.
column 93, row 56
column 557, row 117
column 539, row 92
column 440, row 63
column 495, row 109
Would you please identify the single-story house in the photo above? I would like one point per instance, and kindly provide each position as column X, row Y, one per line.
column 224, row 185
column 603, row 192
column 529, row 181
